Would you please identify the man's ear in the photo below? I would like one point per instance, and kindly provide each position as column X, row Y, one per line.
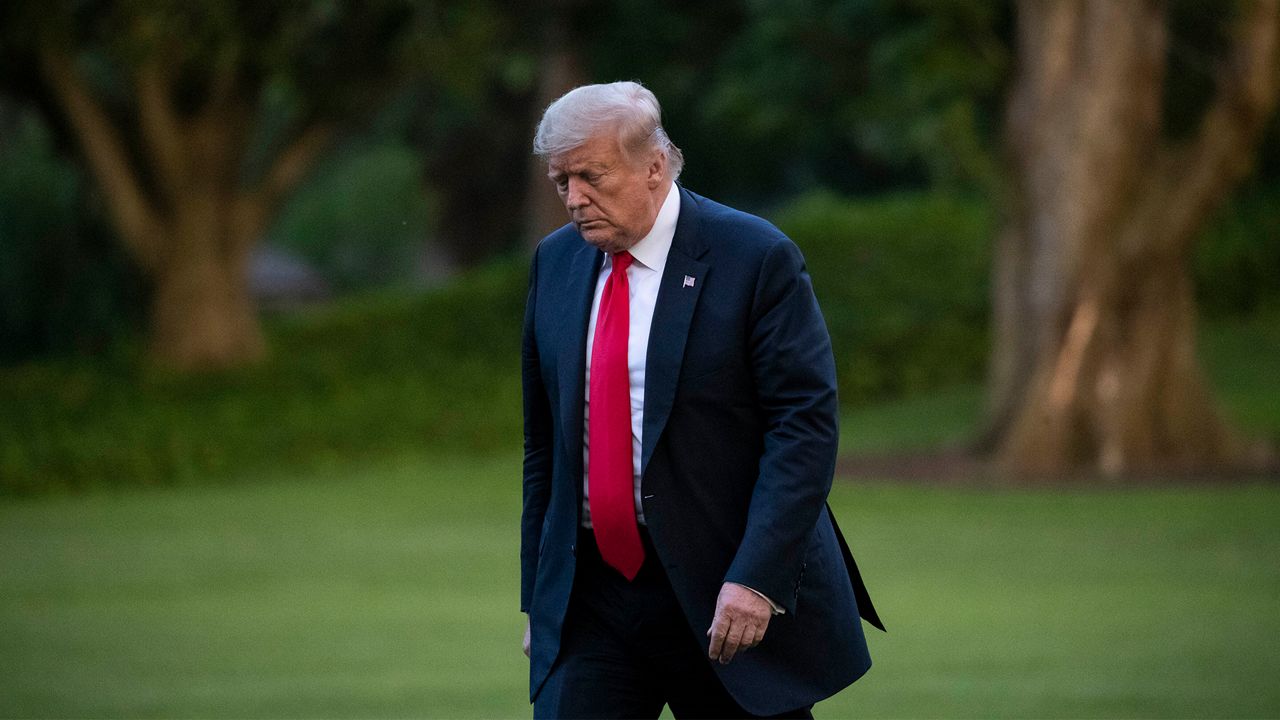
column 657, row 170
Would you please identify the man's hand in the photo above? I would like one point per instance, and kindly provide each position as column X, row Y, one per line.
column 526, row 636
column 741, row 619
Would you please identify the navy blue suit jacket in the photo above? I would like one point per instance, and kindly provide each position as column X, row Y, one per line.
column 739, row 446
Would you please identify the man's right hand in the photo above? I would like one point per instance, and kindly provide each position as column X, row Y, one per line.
column 742, row 616
column 526, row 636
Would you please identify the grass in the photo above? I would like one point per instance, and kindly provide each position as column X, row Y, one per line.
column 385, row 591
column 1053, row 603
column 390, row 590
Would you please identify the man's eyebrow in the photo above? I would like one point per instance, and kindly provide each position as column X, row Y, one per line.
column 583, row 167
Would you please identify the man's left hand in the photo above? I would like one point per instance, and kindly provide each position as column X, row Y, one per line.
column 741, row 618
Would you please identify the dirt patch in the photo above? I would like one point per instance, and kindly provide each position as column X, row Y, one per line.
column 958, row 466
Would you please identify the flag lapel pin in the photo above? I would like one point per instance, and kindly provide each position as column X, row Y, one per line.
column 688, row 281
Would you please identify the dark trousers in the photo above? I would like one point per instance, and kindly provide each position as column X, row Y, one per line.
column 626, row 650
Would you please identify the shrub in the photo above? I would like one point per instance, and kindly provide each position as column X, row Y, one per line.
column 902, row 282
column 376, row 375
column 65, row 286
column 361, row 219
column 1237, row 259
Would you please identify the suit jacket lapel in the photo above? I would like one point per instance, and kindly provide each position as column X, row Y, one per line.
column 682, row 282
column 583, row 271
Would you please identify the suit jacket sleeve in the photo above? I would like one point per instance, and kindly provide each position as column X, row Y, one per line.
column 538, row 446
column 794, row 375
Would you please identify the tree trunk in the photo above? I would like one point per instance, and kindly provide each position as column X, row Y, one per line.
column 1094, row 366
column 559, row 71
column 1122, row 392
column 202, row 315
column 192, row 227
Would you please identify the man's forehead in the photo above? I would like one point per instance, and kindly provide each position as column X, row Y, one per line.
column 598, row 150
column 571, row 165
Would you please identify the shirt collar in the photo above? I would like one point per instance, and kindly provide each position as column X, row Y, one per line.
column 652, row 250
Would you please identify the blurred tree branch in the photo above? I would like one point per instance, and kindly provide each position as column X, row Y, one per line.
column 108, row 158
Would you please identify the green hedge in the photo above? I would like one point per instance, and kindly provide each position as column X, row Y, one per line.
column 371, row 376
column 902, row 283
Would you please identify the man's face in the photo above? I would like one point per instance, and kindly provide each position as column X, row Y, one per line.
column 611, row 197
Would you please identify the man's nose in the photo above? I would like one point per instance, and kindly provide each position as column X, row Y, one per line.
column 576, row 196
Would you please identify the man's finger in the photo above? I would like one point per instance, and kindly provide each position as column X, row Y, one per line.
column 719, row 630
column 733, row 641
column 761, row 629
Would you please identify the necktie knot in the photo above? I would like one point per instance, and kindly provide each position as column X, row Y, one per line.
column 621, row 261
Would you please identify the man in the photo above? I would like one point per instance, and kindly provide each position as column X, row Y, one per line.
column 680, row 438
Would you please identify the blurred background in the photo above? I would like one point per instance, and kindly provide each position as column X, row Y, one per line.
column 262, row 273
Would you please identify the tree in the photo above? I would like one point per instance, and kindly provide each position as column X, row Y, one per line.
column 196, row 121
column 1094, row 366
column 559, row 71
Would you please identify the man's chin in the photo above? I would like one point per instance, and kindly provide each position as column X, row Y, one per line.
column 604, row 240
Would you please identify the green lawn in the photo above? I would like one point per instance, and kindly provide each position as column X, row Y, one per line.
column 390, row 590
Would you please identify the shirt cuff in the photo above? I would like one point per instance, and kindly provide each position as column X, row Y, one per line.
column 777, row 609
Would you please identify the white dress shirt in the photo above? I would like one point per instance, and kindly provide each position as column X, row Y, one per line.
column 643, row 279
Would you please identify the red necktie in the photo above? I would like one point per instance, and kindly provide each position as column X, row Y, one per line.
column 611, row 490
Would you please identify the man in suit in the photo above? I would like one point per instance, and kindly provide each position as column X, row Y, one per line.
column 680, row 437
